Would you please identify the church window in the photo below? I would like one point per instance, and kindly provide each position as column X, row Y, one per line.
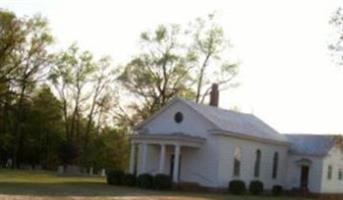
column 275, row 165
column 178, row 117
column 329, row 172
column 237, row 162
column 257, row 163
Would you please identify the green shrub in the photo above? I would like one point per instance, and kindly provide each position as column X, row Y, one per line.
column 145, row 181
column 114, row 177
column 237, row 187
column 277, row 190
column 162, row 182
column 256, row 187
column 129, row 180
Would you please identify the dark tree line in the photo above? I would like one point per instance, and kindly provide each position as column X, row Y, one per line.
column 69, row 107
column 54, row 105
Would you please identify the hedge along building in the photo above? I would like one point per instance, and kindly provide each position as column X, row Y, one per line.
column 211, row 146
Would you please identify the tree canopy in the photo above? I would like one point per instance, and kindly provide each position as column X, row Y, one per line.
column 177, row 61
column 71, row 107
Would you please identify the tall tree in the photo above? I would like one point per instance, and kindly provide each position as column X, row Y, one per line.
column 23, row 60
column 46, row 126
column 176, row 61
column 159, row 72
column 212, row 50
column 112, row 149
column 101, row 102
column 33, row 60
column 35, row 126
column 12, row 36
column 82, row 84
column 102, row 79
column 336, row 45
column 70, row 76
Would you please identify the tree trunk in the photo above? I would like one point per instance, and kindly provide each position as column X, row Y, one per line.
column 201, row 77
column 18, row 128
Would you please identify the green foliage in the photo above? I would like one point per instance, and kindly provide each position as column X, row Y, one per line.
column 114, row 177
column 277, row 190
column 61, row 107
column 176, row 61
column 68, row 152
column 237, row 187
column 23, row 60
column 145, row 181
column 70, row 76
column 129, row 180
column 54, row 108
column 256, row 187
column 6, row 141
column 47, row 126
column 110, row 149
column 162, row 182
column 82, row 84
column 213, row 56
column 159, row 72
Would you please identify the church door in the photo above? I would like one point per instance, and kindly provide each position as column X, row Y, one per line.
column 304, row 175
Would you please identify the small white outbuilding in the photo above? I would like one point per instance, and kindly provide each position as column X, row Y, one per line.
column 210, row 146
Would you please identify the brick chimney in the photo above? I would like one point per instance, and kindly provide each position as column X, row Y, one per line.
column 214, row 95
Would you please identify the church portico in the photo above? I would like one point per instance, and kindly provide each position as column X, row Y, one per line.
column 167, row 149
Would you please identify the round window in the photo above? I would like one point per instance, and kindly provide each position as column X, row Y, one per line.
column 178, row 117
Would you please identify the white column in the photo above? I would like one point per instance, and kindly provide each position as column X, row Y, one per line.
column 132, row 158
column 162, row 158
column 144, row 157
column 176, row 163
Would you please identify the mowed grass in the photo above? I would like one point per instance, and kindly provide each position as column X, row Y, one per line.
column 27, row 185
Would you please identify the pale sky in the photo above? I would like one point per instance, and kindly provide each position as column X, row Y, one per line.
column 287, row 76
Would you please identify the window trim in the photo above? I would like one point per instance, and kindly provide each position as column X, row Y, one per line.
column 329, row 172
column 275, row 165
column 257, row 166
column 237, row 157
column 340, row 174
column 178, row 117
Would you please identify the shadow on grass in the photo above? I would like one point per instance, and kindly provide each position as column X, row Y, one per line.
column 94, row 189
column 88, row 190
column 67, row 189
column 47, row 184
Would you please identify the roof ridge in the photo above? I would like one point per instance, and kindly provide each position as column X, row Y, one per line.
column 225, row 120
column 214, row 107
column 310, row 134
column 310, row 144
column 240, row 123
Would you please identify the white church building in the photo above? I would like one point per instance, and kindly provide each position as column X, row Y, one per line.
column 210, row 146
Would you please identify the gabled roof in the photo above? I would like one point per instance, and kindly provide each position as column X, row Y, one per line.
column 310, row 144
column 153, row 116
column 237, row 123
column 229, row 121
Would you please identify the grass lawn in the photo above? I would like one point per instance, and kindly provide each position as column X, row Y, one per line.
column 25, row 185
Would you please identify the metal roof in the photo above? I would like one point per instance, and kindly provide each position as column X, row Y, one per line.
column 238, row 123
column 310, row 144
